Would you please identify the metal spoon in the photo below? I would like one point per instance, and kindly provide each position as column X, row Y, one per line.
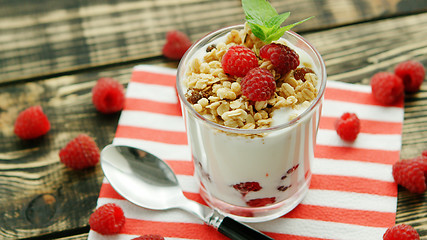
column 147, row 181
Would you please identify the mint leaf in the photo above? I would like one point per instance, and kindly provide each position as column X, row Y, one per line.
column 258, row 10
column 264, row 20
column 272, row 36
column 258, row 30
column 277, row 20
column 288, row 27
column 275, row 36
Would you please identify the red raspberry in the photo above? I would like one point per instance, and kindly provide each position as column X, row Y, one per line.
column 401, row 232
column 238, row 60
column 423, row 160
column 412, row 73
column 409, row 173
column 387, row 88
column 107, row 219
column 149, row 237
column 283, row 58
column 31, row 123
column 108, row 95
column 246, row 187
column 258, row 85
column 81, row 152
column 348, row 126
column 177, row 43
column 261, row 202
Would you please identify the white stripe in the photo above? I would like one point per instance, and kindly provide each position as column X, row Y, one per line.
column 156, row 69
column 351, row 200
column 152, row 120
column 133, row 211
column 334, row 108
column 320, row 229
column 186, row 182
column 351, row 87
column 387, row 142
column 161, row 150
column 151, row 92
column 369, row 170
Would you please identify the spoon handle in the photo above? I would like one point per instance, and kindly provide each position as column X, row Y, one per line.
column 239, row 231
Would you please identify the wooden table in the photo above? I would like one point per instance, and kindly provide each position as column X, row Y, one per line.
column 52, row 52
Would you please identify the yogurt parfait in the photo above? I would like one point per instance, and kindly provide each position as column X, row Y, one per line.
column 251, row 107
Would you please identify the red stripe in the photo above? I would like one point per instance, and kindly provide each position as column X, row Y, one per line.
column 353, row 184
column 188, row 230
column 181, row 167
column 107, row 191
column 153, row 78
column 358, row 154
column 171, row 229
column 146, row 105
column 366, row 126
column 341, row 215
column 195, row 197
column 163, row 136
column 354, row 97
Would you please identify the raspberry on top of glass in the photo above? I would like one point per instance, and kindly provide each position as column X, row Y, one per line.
column 241, row 81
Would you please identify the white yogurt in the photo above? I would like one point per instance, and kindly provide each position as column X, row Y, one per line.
column 279, row 160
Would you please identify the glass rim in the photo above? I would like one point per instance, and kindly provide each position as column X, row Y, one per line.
column 194, row 47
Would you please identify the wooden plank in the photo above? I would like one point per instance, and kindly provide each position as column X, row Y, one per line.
column 33, row 182
column 50, row 37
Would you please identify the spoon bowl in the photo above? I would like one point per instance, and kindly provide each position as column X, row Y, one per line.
column 142, row 178
column 147, row 181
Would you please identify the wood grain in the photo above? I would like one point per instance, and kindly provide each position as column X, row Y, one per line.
column 65, row 36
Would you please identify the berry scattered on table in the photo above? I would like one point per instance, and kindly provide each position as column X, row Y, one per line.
column 258, row 85
column 348, row 126
column 239, row 60
column 31, row 123
column 246, row 187
column 107, row 219
column 149, row 237
column 412, row 73
column 81, row 152
column 108, row 95
column 177, row 43
column 410, row 173
column 401, row 232
column 261, row 202
column 283, row 58
column 387, row 88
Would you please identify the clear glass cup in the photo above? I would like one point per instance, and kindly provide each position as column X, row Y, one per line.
column 276, row 159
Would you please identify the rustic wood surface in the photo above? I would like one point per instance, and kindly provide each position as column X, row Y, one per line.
column 52, row 53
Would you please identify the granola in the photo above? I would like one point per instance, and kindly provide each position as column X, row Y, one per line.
column 217, row 96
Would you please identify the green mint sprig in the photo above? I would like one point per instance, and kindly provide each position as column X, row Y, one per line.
column 264, row 20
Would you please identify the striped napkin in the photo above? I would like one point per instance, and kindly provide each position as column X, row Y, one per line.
column 352, row 193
